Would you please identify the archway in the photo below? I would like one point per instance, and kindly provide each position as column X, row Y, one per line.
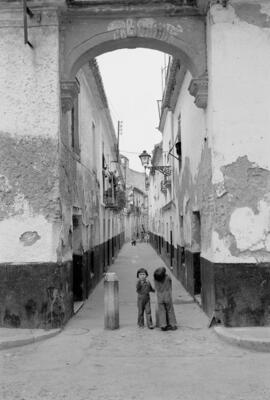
column 86, row 38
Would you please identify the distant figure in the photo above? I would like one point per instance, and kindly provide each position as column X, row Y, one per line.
column 147, row 237
column 163, row 286
column 143, row 289
column 133, row 240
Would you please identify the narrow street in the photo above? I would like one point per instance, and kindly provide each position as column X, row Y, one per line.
column 87, row 362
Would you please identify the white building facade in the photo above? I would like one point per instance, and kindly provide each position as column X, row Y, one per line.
column 136, row 210
column 222, row 190
column 85, row 223
column 196, row 220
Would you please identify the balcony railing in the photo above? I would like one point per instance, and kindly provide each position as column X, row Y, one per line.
column 163, row 188
column 135, row 209
column 109, row 202
column 116, row 202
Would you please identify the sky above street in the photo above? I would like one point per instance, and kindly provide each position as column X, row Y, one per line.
column 133, row 84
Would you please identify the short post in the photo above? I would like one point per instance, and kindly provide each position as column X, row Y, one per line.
column 111, row 301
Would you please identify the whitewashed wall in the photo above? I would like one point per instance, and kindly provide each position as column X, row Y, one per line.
column 29, row 129
column 238, row 121
column 192, row 141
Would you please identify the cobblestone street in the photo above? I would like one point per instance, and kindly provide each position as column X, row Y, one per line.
column 87, row 362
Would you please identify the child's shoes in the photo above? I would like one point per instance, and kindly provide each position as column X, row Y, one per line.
column 164, row 328
column 171, row 328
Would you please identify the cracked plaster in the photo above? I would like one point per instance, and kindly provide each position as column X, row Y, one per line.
column 30, row 167
column 255, row 13
column 242, row 213
column 29, row 197
column 251, row 231
column 242, row 11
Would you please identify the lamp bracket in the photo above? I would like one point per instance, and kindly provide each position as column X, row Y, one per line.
column 163, row 169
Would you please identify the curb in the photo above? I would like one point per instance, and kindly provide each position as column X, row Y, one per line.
column 27, row 339
column 253, row 338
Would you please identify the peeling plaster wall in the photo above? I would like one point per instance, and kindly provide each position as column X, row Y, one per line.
column 238, row 131
column 80, row 186
column 192, row 127
column 81, row 175
column 29, row 199
column 29, row 80
column 190, row 180
column 29, row 127
column 187, row 185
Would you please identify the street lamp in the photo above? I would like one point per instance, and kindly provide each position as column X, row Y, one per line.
column 145, row 160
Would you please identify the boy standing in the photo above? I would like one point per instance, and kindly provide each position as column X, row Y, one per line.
column 143, row 289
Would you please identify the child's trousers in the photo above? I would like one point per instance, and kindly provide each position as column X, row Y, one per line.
column 144, row 306
column 166, row 314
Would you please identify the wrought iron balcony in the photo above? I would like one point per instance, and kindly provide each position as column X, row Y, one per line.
column 134, row 209
column 163, row 188
column 167, row 182
column 109, row 201
column 116, row 202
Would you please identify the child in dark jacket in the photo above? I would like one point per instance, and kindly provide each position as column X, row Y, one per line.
column 163, row 286
column 143, row 289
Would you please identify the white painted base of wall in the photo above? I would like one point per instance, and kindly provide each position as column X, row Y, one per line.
column 14, row 250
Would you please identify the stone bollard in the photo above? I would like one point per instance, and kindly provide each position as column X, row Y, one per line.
column 111, row 301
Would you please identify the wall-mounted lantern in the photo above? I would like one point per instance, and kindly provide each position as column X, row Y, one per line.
column 145, row 160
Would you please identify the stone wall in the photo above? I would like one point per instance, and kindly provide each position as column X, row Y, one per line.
column 29, row 129
column 35, row 295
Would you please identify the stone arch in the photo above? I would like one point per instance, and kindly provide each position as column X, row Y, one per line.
column 181, row 37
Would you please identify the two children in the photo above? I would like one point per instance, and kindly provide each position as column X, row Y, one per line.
column 163, row 287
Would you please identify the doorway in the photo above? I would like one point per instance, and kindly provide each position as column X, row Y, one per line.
column 77, row 249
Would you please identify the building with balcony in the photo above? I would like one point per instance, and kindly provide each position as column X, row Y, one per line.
column 163, row 215
column 87, row 214
column 136, row 211
column 176, row 233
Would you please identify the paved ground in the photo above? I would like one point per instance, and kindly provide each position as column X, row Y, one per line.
column 86, row 362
